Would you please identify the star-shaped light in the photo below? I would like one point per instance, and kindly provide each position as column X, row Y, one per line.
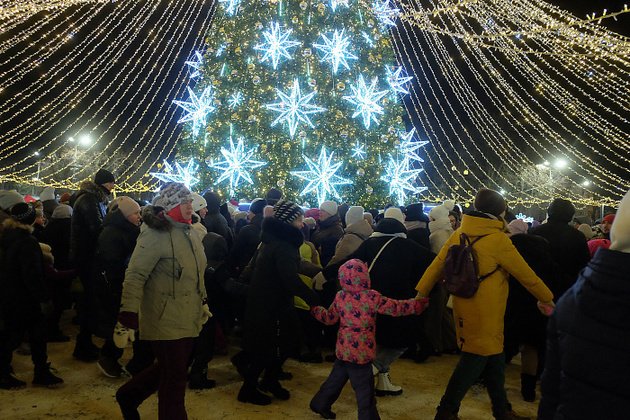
column 237, row 164
column 294, row 108
column 277, row 45
column 231, row 6
column 220, row 50
column 358, row 151
column 336, row 3
column 196, row 65
column 367, row 38
column 235, row 100
column 385, row 12
column 526, row 219
column 408, row 147
column 397, row 79
column 401, row 179
column 321, row 176
column 366, row 99
column 335, row 50
column 198, row 108
column 183, row 174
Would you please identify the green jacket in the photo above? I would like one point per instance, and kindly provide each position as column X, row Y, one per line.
column 164, row 282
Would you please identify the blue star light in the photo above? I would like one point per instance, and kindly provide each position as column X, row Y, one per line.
column 335, row 50
column 235, row 100
column 237, row 164
column 277, row 45
column 367, row 38
column 401, row 179
column 385, row 12
column 321, row 176
column 366, row 99
column 336, row 3
column 358, row 151
column 196, row 65
column 397, row 79
column 231, row 6
column 184, row 174
column 220, row 50
column 408, row 147
column 198, row 108
column 294, row 108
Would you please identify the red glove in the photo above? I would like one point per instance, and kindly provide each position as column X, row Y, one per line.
column 128, row 319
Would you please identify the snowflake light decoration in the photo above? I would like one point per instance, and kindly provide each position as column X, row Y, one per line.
column 335, row 50
column 524, row 218
column 237, row 164
column 198, row 108
column 397, row 79
column 182, row 174
column 294, row 108
column 321, row 177
column 336, row 3
column 236, row 99
column 408, row 147
column 385, row 12
column 231, row 6
column 358, row 151
column 401, row 179
column 277, row 45
column 366, row 100
column 196, row 65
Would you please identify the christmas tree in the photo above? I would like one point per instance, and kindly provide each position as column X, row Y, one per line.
column 304, row 96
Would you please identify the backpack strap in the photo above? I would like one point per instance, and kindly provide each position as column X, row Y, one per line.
column 485, row 276
column 379, row 254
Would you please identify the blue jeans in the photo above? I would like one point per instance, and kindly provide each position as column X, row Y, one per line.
column 385, row 356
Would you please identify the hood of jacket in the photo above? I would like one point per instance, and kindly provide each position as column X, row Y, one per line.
column 11, row 229
column 274, row 230
column 361, row 228
column 117, row 219
column 155, row 218
column 390, row 226
column 331, row 221
column 91, row 188
column 478, row 224
column 440, row 224
column 354, row 276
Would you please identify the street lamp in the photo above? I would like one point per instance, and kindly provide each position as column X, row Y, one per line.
column 86, row 140
column 560, row 164
column 586, row 183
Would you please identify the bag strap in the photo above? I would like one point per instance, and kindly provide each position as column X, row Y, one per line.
column 379, row 253
column 485, row 276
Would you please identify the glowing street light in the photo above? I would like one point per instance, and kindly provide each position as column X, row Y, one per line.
column 86, row 140
column 586, row 183
column 560, row 164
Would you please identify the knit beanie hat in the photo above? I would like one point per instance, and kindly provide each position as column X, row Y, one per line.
column 517, row 226
column 23, row 213
column 609, row 218
column 287, row 212
column 586, row 230
column 342, row 210
column 9, row 199
column 620, row 231
column 561, row 211
column 172, row 195
column 65, row 197
column 329, row 207
column 395, row 213
column 198, row 202
column 103, row 176
column 126, row 205
column 258, row 205
column 213, row 201
column 439, row 212
column 415, row 212
column 47, row 193
column 490, row 201
column 354, row 215
column 62, row 211
column 273, row 196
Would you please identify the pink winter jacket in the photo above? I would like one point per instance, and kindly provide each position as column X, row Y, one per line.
column 355, row 307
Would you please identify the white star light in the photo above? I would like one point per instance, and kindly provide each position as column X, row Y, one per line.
column 408, row 147
column 321, row 176
column 196, row 65
column 294, row 108
column 237, row 164
column 336, row 3
column 397, row 79
column 385, row 12
column 277, row 45
column 358, row 151
column 336, row 50
column 235, row 100
column 366, row 99
column 231, row 6
column 401, row 179
column 184, row 174
column 198, row 108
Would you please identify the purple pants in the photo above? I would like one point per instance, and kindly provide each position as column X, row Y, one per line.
column 362, row 382
column 168, row 377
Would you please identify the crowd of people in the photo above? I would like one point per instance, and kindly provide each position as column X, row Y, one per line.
column 180, row 278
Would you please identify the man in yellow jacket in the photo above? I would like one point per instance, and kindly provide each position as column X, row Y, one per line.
column 479, row 319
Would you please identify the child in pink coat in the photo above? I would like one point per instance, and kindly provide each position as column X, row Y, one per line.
column 355, row 307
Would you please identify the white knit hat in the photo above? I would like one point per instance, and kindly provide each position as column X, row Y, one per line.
column 198, row 202
column 439, row 212
column 329, row 207
column 172, row 195
column 354, row 215
column 395, row 213
column 620, row 231
column 47, row 193
column 9, row 199
column 126, row 205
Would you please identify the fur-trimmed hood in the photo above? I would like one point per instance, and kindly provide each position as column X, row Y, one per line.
column 91, row 188
column 275, row 230
column 11, row 223
column 155, row 218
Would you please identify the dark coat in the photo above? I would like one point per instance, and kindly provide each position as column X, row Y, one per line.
column 89, row 210
column 245, row 245
column 588, row 345
column 568, row 250
column 326, row 236
column 420, row 236
column 215, row 222
column 269, row 316
column 57, row 235
column 49, row 207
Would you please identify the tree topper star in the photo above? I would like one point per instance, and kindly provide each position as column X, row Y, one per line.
column 294, row 108
column 366, row 99
column 277, row 45
column 237, row 164
column 321, row 176
column 198, row 108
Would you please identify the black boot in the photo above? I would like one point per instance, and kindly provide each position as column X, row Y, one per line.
column 85, row 350
column 444, row 414
column 44, row 377
column 249, row 393
column 528, row 387
column 325, row 414
column 275, row 389
column 199, row 380
column 8, row 381
column 128, row 406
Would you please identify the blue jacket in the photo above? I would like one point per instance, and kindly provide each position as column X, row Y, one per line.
column 588, row 345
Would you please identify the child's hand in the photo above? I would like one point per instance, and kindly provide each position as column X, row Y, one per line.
column 421, row 304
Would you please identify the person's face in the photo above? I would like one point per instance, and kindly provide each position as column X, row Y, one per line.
column 135, row 218
column 453, row 221
column 203, row 212
column 605, row 226
column 110, row 186
column 187, row 210
column 40, row 220
column 323, row 215
column 299, row 222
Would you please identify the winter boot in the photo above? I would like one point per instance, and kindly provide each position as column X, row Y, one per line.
column 275, row 389
column 528, row 387
column 110, row 367
column 444, row 414
column 384, row 386
column 8, row 381
column 325, row 414
column 510, row 415
column 250, row 394
column 199, row 380
column 86, row 351
column 44, row 377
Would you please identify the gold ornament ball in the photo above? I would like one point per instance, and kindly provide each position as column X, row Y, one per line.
column 341, row 86
column 237, row 50
column 215, row 82
column 256, row 80
column 234, row 116
column 391, row 130
column 369, row 189
column 343, row 134
column 360, row 171
column 263, row 148
column 307, row 52
column 286, row 146
column 295, row 20
column 302, row 134
column 217, row 102
column 303, row 5
column 312, row 82
column 339, row 114
column 234, row 72
column 399, row 119
column 222, row 30
column 259, row 25
column 281, row 183
column 321, row 8
column 251, row 67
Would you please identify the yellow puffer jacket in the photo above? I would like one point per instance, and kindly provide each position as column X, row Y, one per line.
column 479, row 320
column 308, row 253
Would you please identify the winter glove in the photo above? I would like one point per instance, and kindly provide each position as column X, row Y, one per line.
column 206, row 315
column 128, row 319
column 546, row 308
column 318, row 281
column 47, row 308
column 421, row 305
column 123, row 335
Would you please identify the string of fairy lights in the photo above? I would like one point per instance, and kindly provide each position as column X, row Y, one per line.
column 499, row 88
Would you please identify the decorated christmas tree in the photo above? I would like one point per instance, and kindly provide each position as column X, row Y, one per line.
column 304, row 96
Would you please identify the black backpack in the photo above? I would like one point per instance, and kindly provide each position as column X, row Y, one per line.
column 461, row 276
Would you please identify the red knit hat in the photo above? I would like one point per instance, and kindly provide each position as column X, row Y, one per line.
column 609, row 218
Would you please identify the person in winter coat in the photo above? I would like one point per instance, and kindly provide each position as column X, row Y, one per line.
column 214, row 221
column 355, row 308
column 89, row 209
column 116, row 243
column 49, row 201
column 248, row 238
column 568, row 246
column 267, row 334
column 357, row 230
column 24, row 298
column 416, row 224
column 605, row 225
column 479, row 319
column 328, row 231
column 588, row 348
column 440, row 227
column 164, row 296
